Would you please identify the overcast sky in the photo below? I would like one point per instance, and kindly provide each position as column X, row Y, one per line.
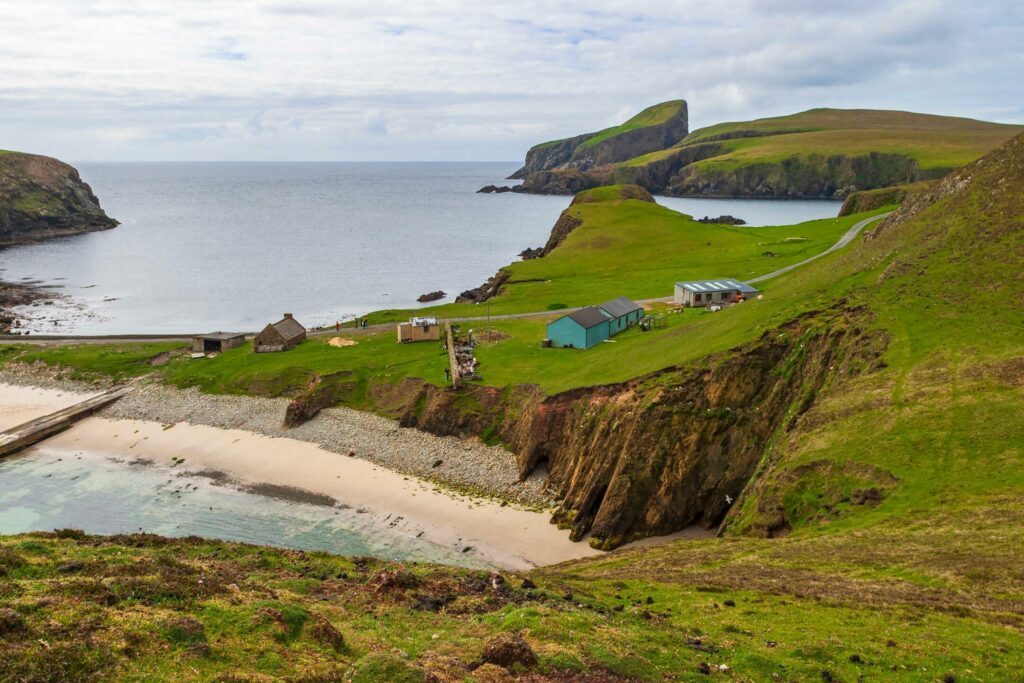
column 457, row 80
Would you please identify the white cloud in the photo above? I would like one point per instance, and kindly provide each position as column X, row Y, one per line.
column 453, row 79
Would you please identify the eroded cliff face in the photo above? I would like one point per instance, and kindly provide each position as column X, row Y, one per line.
column 575, row 154
column 810, row 176
column 42, row 197
column 797, row 177
column 661, row 452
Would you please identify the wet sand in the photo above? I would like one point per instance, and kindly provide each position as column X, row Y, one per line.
column 504, row 536
column 19, row 404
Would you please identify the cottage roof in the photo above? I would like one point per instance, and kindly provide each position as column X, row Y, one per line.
column 289, row 328
column 717, row 285
column 620, row 306
column 588, row 317
column 222, row 336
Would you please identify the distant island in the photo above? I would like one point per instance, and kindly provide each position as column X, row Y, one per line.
column 819, row 153
column 42, row 197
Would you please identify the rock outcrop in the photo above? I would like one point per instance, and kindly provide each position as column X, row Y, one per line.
column 796, row 177
column 42, row 197
column 661, row 452
column 653, row 129
column 870, row 200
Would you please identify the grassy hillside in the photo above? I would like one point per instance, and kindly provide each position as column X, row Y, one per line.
column 937, row 143
column 628, row 247
column 129, row 608
column 893, row 502
column 639, row 249
column 652, row 116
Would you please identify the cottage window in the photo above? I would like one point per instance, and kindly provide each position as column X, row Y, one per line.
column 697, row 296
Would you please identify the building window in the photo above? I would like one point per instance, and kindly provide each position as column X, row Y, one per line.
column 697, row 297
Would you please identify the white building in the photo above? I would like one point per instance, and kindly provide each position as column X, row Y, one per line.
column 703, row 292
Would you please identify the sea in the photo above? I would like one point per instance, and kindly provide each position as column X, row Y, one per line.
column 231, row 246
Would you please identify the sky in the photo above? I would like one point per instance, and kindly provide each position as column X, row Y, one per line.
column 355, row 80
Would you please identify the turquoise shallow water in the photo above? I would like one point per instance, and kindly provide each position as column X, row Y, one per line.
column 43, row 490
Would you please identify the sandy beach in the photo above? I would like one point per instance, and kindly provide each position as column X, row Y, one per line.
column 21, row 403
column 505, row 536
column 501, row 534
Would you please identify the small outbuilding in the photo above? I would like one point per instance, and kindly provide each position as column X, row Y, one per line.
column 580, row 329
column 625, row 313
column 698, row 293
column 217, row 342
column 283, row 335
column 419, row 329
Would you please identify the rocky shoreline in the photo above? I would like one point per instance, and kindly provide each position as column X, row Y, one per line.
column 465, row 465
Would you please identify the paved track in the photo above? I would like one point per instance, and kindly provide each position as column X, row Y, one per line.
column 847, row 237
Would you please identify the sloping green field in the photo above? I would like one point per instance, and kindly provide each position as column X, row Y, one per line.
column 935, row 142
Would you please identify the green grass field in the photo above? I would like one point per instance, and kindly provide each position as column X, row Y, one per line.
column 622, row 247
column 638, row 249
column 935, row 142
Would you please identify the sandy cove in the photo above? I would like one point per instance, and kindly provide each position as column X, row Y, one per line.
column 506, row 536
column 500, row 534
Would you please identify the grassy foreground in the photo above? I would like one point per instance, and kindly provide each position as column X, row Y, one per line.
column 139, row 607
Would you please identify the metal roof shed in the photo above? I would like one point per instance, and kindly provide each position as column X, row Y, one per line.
column 580, row 329
column 703, row 292
column 624, row 312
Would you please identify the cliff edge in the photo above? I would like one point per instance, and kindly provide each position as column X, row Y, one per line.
column 41, row 197
column 655, row 128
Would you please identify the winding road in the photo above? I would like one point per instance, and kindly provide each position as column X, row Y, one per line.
column 847, row 237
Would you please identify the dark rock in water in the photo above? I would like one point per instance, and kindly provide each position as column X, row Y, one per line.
column 42, row 197
column 489, row 189
column 724, row 219
column 531, row 253
column 431, row 296
column 507, row 650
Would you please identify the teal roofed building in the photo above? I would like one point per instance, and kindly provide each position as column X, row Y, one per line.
column 625, row 313
column 592, row 325
column 580, row 329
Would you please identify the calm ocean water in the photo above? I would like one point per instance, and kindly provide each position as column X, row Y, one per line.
column 230, row 246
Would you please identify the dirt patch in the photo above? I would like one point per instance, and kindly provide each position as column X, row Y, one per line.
column 342, row 341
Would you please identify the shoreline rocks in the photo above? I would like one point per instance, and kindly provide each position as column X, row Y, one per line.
column 724, row 219
column 431, row 296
